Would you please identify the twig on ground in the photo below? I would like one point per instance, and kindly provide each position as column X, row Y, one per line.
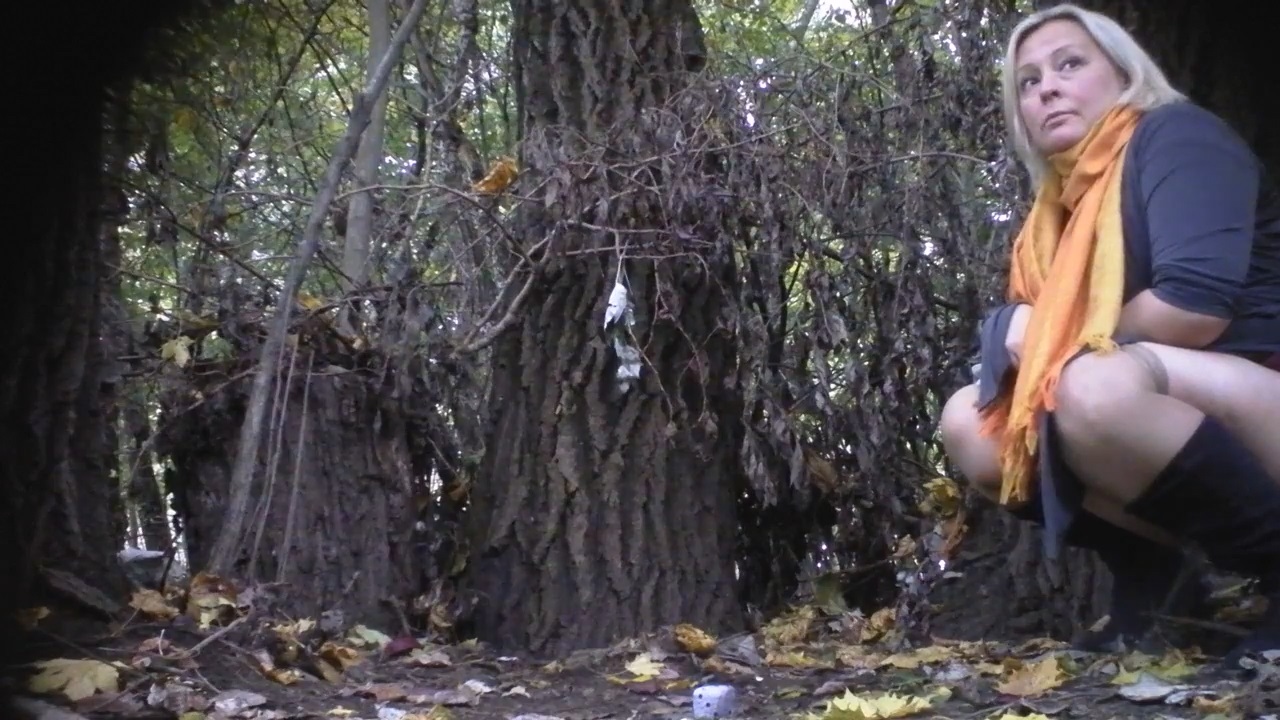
column 190, row 653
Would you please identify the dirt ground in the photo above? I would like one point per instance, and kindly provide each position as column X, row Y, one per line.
column 802, row 665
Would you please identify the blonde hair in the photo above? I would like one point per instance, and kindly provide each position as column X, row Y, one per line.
column 1146, row 86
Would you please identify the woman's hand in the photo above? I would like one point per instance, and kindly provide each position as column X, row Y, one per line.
column 1017, row 331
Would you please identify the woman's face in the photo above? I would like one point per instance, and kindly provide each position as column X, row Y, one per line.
column 1065, row 84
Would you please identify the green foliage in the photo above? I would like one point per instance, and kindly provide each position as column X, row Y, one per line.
column 874, row 125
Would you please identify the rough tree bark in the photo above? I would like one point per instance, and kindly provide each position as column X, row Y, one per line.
column 1006, row 588
column 58, row 507
column 332, row 518
column 598, row 515
column 56, row 510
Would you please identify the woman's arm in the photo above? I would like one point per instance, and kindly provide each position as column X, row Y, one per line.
column 1199, row 185
column 1148, row 316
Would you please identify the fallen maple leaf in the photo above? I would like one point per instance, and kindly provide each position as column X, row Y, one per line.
column 921, row 656
column 643, row 667
column 294, row 629
column 878, row 707
column 793, row 659
column 267, row 666
column 428, row 658
column 790, row 628
column 856, row 656
column 880, row 622
column 340, row 656
column 210, row 599
column 361, row 635
column 1033, row 678
column 694, row 640
column 717, row 664
column 76, row 679
column 153, row 603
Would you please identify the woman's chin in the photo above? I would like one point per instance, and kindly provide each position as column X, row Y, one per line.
column 1060, row 139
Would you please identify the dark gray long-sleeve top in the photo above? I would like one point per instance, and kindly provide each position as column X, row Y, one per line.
column 1201, row 220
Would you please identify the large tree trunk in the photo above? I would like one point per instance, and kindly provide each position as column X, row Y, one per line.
column 1007, row 590
column 58, row 507
column 333, row 517
column 601, row 513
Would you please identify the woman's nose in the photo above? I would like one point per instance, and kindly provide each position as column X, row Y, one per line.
column 1048, row 88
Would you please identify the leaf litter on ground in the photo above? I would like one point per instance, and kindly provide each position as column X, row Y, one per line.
column 816, row 661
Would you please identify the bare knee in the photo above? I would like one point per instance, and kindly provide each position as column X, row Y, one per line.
column 1095, row 391
column 975, row 456
column 956, row 421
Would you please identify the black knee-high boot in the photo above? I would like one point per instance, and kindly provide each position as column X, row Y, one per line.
column 1216, row 493
column 1143, row 578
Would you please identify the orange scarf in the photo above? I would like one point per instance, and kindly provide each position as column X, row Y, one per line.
column 1068, row 264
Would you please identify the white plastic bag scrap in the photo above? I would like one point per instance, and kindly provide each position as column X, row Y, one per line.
column 618, row 304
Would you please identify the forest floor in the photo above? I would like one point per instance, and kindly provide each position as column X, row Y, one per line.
column 223, row 663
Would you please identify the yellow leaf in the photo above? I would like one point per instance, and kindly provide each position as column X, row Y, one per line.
column 294, row 629
column 361, row 635
column 880, row 622
column 877, row 707
column 28, row 618
column 828, row 594
column 853, row 656
column 339, row 655
column 942, row 498
column 790, row 628
column 719, row 665
column 153, row 603
column 328, row 671
column 988, row 668
column 428, row 658
column 792, row 660
column 177, row 350
column 439, row 617
column 1039, row 645
column 185, row 118
column 309, row 301
column 1221, row 706
column 694, row 640
column 501, row 174
column 1033, row 679
column 194, row 321
column 644, row 668
column 76, row 679
column 210, row 599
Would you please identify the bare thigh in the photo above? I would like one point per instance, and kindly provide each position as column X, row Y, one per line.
column 1243, row 395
